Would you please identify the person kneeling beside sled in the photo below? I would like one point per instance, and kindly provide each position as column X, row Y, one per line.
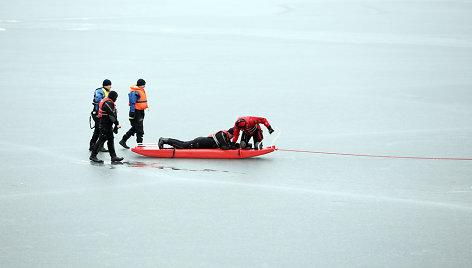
column 221, row 139
column 249, row 125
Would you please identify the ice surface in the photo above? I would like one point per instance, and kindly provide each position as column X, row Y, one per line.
column 369, row 77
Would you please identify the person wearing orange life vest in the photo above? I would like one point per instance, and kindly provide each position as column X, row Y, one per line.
column 108, row 117
column 249, row 125
column 99, row 94
column 137, row 105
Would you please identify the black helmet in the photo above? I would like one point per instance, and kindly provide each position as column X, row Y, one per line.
column 140, row 82
column 106, row 82
column 113, row 95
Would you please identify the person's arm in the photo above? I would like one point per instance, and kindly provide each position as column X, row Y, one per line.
column 236, row 133
column 97, row 97
column 262, row 120
column 108, row 109
column 94, row 99
column 133, row 98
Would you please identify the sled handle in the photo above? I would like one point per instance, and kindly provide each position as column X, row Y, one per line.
column 276, row 137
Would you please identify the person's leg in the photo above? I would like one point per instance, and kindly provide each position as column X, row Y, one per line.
column 111, row 148
column 197, row 143
column 101, row 140
column 139, row 125
column 257, row 137
column 128, row 134
column 178, row 144
column 203, row 143
column 96, row 132
column 244, row 140
column 161, row 142
column 139, row 131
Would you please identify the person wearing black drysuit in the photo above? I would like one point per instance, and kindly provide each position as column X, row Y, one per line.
column 98, row 95
column 221, row 139
column 108, row 117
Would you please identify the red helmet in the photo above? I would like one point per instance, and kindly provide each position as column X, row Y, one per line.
column 241, row 123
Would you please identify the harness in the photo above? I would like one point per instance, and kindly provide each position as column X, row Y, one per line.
column 253, row 129
column 100, row 110
column 225, row 136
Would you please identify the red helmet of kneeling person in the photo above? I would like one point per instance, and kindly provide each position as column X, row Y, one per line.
column 241, row 123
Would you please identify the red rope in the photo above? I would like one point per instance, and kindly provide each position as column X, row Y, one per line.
column 379, row 156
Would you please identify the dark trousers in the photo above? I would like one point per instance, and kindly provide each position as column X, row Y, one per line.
column 198, row 143
column 96, row 129
column 257, row 137
column 137, row 127
column 106, row 135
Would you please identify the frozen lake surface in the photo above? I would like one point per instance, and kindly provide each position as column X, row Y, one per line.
column 365, row 77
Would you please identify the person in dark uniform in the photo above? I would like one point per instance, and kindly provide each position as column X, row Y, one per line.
column 221, row 139
column 108, row 117
column 249, row 125
column 99, row 94
column 137, row 105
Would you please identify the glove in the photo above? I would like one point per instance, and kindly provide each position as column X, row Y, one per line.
column 131, row 115
column 234, row 145
column 270, row 129
column 115, row 130
column 225, row 147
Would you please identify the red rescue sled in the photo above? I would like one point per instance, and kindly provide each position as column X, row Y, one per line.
column 154, row 151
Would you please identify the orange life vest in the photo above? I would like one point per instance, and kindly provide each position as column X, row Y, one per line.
column 141, row 103
column 100, row 110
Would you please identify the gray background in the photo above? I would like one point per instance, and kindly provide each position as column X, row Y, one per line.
column 369, row 77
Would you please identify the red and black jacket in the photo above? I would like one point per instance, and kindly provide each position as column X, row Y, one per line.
column 252, row 125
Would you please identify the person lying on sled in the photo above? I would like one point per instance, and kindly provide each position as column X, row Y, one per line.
column 221, row 139
column 249, row 125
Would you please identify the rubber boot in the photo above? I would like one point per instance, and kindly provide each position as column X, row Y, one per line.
column 94, row 158
column 93, row 155
column 123, row 141
column 162, row 141
column 139, row 138
column 111, row 148
column 116, row 159
column 258, row 145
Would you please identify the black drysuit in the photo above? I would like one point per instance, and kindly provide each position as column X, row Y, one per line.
column 109, row 117
column 218, row 140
